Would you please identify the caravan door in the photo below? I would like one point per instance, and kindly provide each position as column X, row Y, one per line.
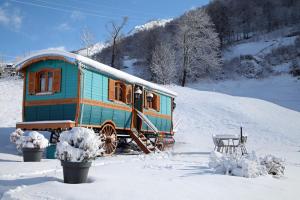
column 138, row 105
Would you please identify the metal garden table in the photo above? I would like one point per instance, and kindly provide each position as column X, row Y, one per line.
column 227, row 143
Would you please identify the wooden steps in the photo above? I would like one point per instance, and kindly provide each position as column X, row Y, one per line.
column 143, row 143
column 146, row 145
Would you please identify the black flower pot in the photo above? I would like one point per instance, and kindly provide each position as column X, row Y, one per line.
column 32, row 154
column 75, row 172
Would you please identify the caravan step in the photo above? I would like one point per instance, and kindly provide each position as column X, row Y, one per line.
column 138, row 141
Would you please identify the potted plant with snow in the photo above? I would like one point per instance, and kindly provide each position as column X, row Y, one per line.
column 32, row 145
column 76, row 148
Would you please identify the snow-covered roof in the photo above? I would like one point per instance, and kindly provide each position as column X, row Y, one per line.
column 97, row 66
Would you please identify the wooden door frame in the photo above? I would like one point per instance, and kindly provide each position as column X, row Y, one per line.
column 134, row 122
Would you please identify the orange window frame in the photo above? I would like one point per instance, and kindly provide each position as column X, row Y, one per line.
column 46, row 72
column 151, row 104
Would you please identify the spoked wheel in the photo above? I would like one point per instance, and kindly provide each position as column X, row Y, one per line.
column 108, row 135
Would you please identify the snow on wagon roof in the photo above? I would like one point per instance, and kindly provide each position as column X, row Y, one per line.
column 97, row 66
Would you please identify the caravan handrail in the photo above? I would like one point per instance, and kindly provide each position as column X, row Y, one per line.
column 147, row 121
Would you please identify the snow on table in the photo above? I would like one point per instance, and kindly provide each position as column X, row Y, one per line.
column 226, row 136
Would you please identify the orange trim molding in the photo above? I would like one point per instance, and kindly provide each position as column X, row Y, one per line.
column 75, row 101
column 100, row 126
column 51, row 102
column 154, row 114
column 45, row 126
column 106, row 105
column 152, row 132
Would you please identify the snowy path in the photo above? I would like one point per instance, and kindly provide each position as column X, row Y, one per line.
column 183, row 172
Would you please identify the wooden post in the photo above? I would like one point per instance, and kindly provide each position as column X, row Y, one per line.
column 241, row 138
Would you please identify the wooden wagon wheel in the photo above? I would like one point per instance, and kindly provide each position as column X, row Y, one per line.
column 108, row 135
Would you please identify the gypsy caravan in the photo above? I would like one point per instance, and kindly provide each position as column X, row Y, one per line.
column 64, row 90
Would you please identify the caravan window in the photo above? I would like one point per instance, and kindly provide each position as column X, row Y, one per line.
column 154, row 103
column 119, row 92
column 45, row 81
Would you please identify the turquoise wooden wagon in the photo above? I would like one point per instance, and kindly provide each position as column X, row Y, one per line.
column 64, row 90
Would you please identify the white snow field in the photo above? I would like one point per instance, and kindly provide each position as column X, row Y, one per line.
column 257, row 48
column 268, row 110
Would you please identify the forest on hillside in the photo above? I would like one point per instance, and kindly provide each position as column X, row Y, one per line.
column 240, row 19
column 190, row 47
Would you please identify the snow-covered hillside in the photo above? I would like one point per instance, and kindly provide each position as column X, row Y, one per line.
column 264, row 108
column 257, row 48
column 151, row 25
column 262, row 55
column 95, row 48
column 131, row 66
column 268, row 110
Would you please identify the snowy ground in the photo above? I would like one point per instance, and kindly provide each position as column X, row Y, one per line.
column 268, row 110
column 257, row 48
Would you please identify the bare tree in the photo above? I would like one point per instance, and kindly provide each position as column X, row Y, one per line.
column 115, row 31
column 87, row 40
column 198, row 44
column 163, row 66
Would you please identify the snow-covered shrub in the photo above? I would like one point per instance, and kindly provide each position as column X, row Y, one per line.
column 78, row 145
column 249, row 167
column 282, row 54
column 275, row 166
column 236, row 165
column 14, row 136
column 250, row 68
column 32, row 140
column 221, row 163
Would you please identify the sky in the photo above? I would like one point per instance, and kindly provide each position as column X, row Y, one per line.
column 31, row 25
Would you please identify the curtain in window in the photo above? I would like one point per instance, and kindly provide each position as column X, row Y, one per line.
column 118, row 92
column 50, row 81
column 43, row 82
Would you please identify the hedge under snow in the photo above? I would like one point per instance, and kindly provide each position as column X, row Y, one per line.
column 78, row 145
column 246, row 166
column 33, row 140
column 275, row 166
